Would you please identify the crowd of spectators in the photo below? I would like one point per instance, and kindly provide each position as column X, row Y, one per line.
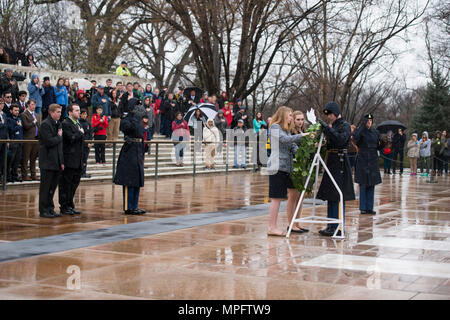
column 102, row 107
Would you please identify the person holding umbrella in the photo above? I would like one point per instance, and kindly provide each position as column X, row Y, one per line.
column 367, row 173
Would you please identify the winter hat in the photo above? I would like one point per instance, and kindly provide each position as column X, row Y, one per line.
column 80, row 92
column 332, row 107
column 46, row 78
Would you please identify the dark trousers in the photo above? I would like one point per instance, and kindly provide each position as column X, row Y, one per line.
column 366, row 197
column 86, row 151
column 438, row 163
column 100, row 149
column 387, row 158
column 397, row 153
column 446, row 160
column 68, row 184
column 333, row 212
column 15, row 159
column 130, row 197
column 47, row 188
column 30, row 154
column 162, row 128
column 2, row 158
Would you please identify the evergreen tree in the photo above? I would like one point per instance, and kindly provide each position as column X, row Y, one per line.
column 434, row 114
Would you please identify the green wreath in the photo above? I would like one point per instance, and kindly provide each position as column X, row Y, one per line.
column 303, row 160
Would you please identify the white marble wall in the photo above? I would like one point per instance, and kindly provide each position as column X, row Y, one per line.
column 56, row 74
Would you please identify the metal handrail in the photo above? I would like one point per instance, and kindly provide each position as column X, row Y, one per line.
column 114, row 143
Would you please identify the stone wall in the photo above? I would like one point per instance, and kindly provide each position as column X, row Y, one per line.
column 54, row 75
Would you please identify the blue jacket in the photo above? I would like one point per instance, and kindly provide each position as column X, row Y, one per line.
column 15, row 131
column 4, row 134
column 61, row 96
column 34, row 92
column 49, row 97
column 97, row 100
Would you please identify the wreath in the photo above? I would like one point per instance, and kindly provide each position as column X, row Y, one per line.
column 303, row 160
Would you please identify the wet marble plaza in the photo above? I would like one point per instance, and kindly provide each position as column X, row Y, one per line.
column 403, row 252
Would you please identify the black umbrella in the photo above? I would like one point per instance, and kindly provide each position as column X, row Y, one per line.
column 198, row 92
column 390, row 125
column 16, row 76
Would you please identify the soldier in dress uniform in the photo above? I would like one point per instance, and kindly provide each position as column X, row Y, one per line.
column 367, row 173
column 130, row 165
column 338, row 139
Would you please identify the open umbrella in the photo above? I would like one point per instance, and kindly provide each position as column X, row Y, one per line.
column 208, row 111
column 83, row 84
column 198, row 92
column 390, row 125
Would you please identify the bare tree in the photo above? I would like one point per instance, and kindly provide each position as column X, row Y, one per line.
column 246, row 36
column 351, row 40
column 108, row 26
column 19, row 24
column 160, row 53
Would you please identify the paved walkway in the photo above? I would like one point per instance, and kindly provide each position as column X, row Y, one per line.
column 196, row 244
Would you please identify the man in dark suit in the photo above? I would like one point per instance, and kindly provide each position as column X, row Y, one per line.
column 30, row 123
column 73, row 137
column 15, row 133
column 51, row 160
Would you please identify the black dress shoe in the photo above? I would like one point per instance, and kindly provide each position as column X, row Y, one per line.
column 140, row 211
column 56, row 215
column 370, row 212
column 67, row 212
column 131, row 212
column 363, row 211
column 75, row 211
column 46, row 215
column 327, row 232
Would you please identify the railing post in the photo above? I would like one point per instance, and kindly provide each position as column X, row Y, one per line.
column 114, row 161
column 226, row 159
column 156, row 161
column 5, row 167
column 193, row 172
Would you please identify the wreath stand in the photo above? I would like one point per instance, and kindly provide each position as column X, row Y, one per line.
column 314, row 219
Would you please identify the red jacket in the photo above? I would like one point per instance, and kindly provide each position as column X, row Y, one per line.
column 155, row 108
column 181, row 130
column 228, row 115
column 96, row 123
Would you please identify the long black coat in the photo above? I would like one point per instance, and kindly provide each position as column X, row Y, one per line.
column 130, row 166
column 367, row 172
column 50, row 145
column 72, row 145
column 338, row 137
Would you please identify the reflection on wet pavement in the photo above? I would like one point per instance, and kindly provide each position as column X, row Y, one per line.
column 401, row 253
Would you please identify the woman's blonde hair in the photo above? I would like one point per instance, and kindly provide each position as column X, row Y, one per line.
column 280, row 118
column 299, row 113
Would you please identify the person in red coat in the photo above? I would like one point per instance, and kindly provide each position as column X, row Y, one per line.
column 228, row 113
column 99, row 125
column 180, row 132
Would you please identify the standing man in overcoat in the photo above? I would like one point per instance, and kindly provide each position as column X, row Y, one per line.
column 130, row 165
column 51, row 161
column 338, row 138
column 367, row 173
column 73, row 137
